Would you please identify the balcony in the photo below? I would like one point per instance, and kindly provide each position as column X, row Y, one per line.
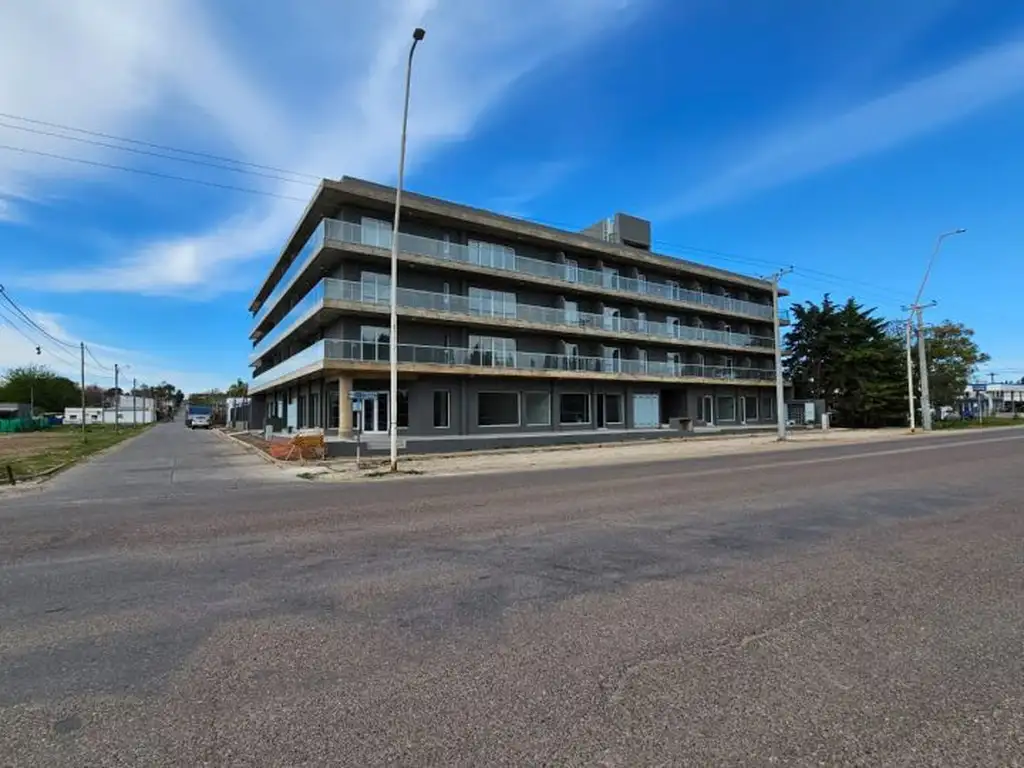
column 378, row 295
column 414, row 356
column 500, row 258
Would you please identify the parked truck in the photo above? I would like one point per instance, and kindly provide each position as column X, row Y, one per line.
column 198, row 417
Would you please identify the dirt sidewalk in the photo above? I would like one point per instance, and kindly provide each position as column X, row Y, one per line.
column 590, row 455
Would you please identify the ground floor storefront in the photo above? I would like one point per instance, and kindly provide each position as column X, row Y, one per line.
column 481, row 410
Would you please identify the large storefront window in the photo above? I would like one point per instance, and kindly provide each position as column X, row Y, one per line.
column 574, row 409
column 497, row 409
column 726, row 408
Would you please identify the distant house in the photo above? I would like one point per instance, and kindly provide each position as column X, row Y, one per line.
column 15, row 411
column 130, row 410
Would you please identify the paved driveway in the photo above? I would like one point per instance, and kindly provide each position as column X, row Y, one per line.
column 167, row 460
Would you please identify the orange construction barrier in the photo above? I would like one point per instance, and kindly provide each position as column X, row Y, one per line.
column 299, row 447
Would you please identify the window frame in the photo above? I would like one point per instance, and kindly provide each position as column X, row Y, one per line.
column 747, row 400
column 608, row 397
column 519, row 408
column 526, row 406
column 718, row 408
column 447, row 408
column 589, row 409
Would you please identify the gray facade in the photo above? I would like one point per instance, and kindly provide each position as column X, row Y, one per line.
column 496, row 318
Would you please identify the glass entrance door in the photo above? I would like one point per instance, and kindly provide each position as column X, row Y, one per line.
column 371, row 415
column 709, row 410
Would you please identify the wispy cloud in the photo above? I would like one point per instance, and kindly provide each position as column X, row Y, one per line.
column 921, row 106
column 19, row 342
column 523, row 185
column 473, row 53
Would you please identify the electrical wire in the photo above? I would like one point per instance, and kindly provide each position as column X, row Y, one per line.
column 11, row 322
column 240, row 166
column 34, row 325
column 163, row 155
column 96, row 360
column 145, row 172
column 7, row 297
column 152, row 145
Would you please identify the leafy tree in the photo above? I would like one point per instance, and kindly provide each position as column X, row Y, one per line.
column 48, row 390
column 239, row 389
column 953, row 357
column 849, row 358
column 95, row 396
column 213, row 397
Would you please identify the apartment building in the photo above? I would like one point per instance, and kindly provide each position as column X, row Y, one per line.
column 508, row 331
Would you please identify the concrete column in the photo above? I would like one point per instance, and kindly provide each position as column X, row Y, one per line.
column 344, row 406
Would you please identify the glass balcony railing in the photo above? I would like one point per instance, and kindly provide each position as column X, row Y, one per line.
column 507, row 259
column 498, row 257
column 379, row 293
column 374, row 352
column 311, row 303
column 309, row 356
column 298, row 266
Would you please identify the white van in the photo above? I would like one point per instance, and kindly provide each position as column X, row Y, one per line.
column 200, row 421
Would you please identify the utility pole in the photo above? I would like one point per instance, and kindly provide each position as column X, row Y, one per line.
column 992, row 378
column 117, row 400
column 922, row 362
column 922, row 365
column 32, row 400
column 910, row 376
column 82, row 349
column 922, row 354
column 135, row 405
column 780, row 391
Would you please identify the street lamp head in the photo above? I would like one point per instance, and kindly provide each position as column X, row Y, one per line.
column 418, row 33
column 959, row 231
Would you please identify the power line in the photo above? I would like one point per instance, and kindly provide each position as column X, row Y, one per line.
column 152, row 145
column 219, row 160
column 145, row 172
column 7, row 297
column 33, row 324
column 163, row 155
column 11, row 321
column 95, row 360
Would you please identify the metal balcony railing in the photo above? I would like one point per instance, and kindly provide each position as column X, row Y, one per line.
column 378, row 293
column 355, row 351
column 498, row 257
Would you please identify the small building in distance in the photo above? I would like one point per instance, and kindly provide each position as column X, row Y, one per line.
column 12, row 411
column 130, row 411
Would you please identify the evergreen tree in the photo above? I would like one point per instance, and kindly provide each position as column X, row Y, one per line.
column 849, row 358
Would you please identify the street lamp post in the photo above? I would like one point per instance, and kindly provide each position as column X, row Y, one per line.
column 922, row 353
column 417, row 35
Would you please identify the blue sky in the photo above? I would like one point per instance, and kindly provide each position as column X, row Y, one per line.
column 839, row 138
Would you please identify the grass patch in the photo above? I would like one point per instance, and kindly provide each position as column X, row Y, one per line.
column 975, row 424
column 30, row 454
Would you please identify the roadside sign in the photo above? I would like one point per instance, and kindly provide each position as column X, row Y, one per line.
column 358, row 397
column 979, row 387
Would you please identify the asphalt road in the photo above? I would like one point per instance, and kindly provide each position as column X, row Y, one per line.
column 853, row 605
